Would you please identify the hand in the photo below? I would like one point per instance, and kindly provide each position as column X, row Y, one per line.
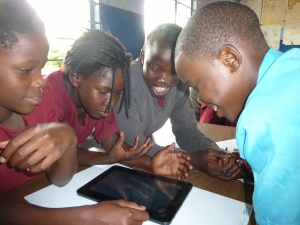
column 39, row 146
column 246, row 170
column 216, row 163
column 165, row 162
column 118, row 153
column 119, row 212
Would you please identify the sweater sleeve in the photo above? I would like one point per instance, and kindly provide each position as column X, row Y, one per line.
column 184, row 124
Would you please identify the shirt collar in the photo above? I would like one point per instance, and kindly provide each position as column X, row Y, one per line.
column 269, row 59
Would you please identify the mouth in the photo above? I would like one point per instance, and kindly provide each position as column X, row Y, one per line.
column 160, row 91
column 104, row 114
column 34, row 100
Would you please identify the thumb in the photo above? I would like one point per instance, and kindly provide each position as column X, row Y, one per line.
column 120, row 139
column 217, row 153
column 168, row 147
column 132, row 205
column 3, row 144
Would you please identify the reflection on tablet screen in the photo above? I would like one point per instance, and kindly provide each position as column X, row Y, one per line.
column 161, row 196
column 155, row 195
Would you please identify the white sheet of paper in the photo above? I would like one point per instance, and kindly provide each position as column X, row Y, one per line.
column 200, row 207
column 229, row 144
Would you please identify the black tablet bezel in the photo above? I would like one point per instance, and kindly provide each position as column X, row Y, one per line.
column 162, row 218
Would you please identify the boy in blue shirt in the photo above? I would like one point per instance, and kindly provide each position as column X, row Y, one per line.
column 223, row 54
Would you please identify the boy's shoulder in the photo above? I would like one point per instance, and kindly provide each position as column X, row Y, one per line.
column 136, row 68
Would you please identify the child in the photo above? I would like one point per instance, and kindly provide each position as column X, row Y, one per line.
column 31, row 140
column 158, row 95
column 223, row 54
column 95, row 74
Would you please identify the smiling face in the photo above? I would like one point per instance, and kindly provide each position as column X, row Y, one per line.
column 158, row 69
column 94, row 91
column 216, row 84
column 21, row 81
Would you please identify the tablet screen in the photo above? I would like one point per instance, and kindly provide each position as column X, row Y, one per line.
column 161, row 196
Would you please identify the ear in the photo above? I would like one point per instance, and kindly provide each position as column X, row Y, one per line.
column 75, row 80
column 230, row 57
column 142, row 55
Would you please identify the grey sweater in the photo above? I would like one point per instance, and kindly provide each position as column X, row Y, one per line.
column 146, row 116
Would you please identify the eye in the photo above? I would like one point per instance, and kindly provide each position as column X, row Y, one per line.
column 103, row 92
column 26, row 70
column 155, row 69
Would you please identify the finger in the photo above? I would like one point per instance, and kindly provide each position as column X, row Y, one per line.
column 42, row 158
column 138, row 152
column 42, row 165
column 231, row 170
column 24, row 152
column 147, row 144
column 144, row 149
column 216, row 153
column 183, row 155
column 186, row 163
column 24, row 138
column 185, row 169
column 129, row 204
column 222, row 175
column 3, row 144
column 179, row 174
column 148, row 140
column 227, row 160
column 238, row 174
column 214, row 169
column 15, row 143
column 120, row 139
column 140, row 216
column 136, row 142
column 32, row 159
column 168, row 148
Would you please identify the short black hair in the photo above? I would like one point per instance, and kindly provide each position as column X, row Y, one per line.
column 96, row 51
column 17, row 17
column 217, row 24
column 166, row 34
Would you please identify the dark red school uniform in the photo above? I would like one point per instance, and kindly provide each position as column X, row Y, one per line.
column 67, row 113
column 208, row 115
column 45, row 112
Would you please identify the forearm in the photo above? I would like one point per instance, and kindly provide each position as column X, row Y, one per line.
column 24, row 213
column 89, row 158
column 197, row 160
column 143, row 162
column 62, row 171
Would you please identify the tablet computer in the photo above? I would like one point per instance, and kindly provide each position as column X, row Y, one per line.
column 161, row 196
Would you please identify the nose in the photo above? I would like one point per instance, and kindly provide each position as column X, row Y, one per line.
column 165, row 77
column 38, row 80
column 114, row 101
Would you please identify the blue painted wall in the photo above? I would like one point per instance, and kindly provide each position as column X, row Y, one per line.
column 127, row 26
column 284, row 48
